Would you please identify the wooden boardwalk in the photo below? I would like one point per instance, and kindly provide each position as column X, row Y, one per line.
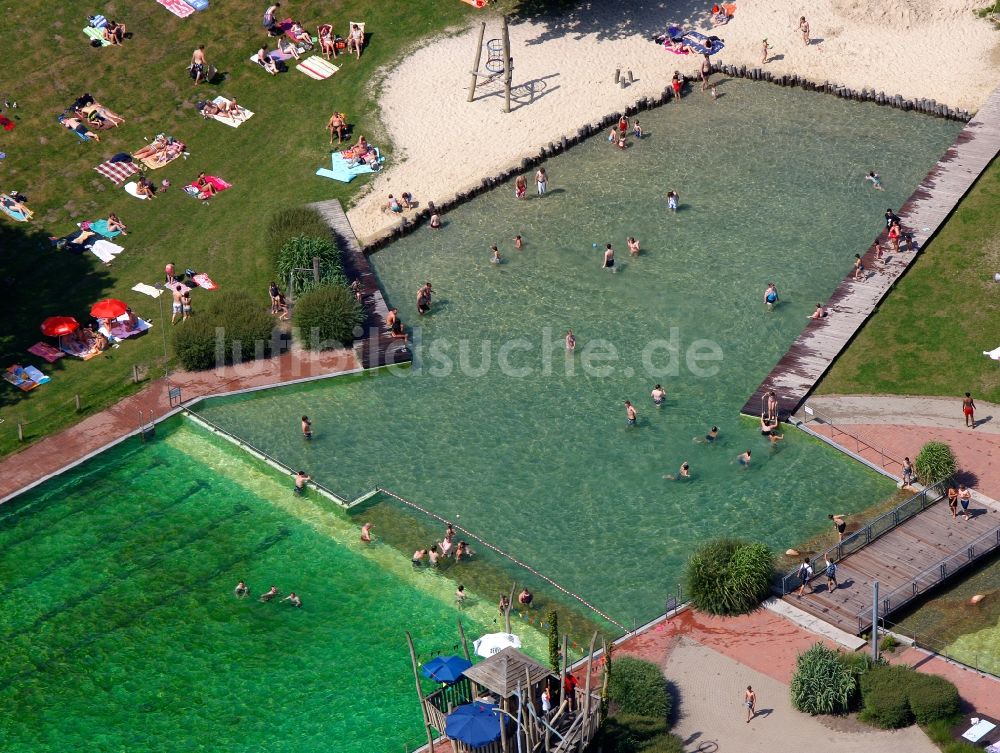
column 906, row 561
column 377, row 347
column 812, row 354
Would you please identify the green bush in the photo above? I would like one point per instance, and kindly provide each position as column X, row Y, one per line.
column 935, row 462
column 888, row 643
column 298, row 253
column 286, row 224
column 668, row 743
column 932, row 698
column 629, row 733
column 822, row 684
column 884, row 694
column 555, row 649
column 326, row 317
column 729, row 576
column 941, row 735
column 231, row 324
column 637, row 687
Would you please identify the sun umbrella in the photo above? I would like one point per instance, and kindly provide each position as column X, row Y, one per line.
column 446, row 668
column 109, row 308
column 494, row 643
column 476, row 724
column 57, row 326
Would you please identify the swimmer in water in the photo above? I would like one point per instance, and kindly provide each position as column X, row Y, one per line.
column 366, row 532
column 631, row 416
column 744, row 459
column 684, row 472
column 659, row 395
column 633, row 246
column 460, row 595
column 494, row 255
column 307, row 430
column 270, row 594
column 775, row 437
column 713, row 434
column 300, row 482
column 518, row 243
column 621, row 142
column 418, row 557
column 672, row 200
column 570, row 341
column 294, row 599
column 609, row 258
column 770, row 295
column 241, row 590
column 819, row 313
column 767, row 425
column 875, row 180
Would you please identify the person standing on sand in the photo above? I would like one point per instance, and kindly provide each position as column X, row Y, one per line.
column 804, row 28
column 969, row 410
column 750, row 701
column 764, row 52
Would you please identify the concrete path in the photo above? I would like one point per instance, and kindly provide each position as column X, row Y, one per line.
column 905, row 410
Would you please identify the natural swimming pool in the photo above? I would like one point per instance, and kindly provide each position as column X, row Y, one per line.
column 121, row 631
column 496, row 428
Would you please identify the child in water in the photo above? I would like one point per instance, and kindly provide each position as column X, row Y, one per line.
column 876, row 181
column 494, row 255
column 637, row 130
column 518, row 242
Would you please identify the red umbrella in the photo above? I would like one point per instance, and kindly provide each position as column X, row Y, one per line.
column 109, row 308
column 57, row 326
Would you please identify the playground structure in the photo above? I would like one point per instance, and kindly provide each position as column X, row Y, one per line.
column 498, row 62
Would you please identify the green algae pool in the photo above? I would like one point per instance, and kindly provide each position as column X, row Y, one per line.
column 497, row 428
column 121, row 631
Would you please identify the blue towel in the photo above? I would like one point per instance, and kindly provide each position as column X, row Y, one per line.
column 101, row 228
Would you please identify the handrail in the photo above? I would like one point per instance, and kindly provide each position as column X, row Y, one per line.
column 811, row 414
column 876, row 528
column 940, row 648
column 937, row 572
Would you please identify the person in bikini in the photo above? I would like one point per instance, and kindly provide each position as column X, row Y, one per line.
column 633, row 246
column 840, row 524
column 327, row 44
column 337, row 125
column 355, row 40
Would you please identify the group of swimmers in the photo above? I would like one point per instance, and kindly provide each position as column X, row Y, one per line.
column 242, row 591
column 446, row 548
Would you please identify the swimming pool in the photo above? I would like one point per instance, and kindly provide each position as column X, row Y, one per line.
column 121, row 630
column 496, row 428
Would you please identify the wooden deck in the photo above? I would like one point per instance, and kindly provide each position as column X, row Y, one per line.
column 812, row 354
column 377, row 347
column 909, row 558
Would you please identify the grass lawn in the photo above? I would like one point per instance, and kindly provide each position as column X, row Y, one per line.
column 929, row 335
column 270, row 160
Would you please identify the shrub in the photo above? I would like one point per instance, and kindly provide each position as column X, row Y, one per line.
column 932, row 698
column 668, row 743
column 637, row 687
column 230, row 322
column 888, row 643
column 327, row 316
column 554, row 648
column 729, row 576
column 884, row 694
column 286, row 224
column 935, row 462
column 822, row 684
column 629, row 733
column 940, row 733
column 298, row 253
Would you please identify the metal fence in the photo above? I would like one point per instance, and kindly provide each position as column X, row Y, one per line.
column 983, row 658
column 846, row 438
column 878, row 527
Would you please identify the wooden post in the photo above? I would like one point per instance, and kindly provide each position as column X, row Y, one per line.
column 586, row 693
column 533, row 737
column 510, row 605
column 562, row 674
column 604, row 680
column 135, row 377
column 20, row 432
column 316, row 269
column 76, row 399
column 475, row 65
column 468, row 657
column 503, row 727
column 420, row 693
column 507, row 67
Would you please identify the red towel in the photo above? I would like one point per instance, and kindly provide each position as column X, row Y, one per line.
column 178, row 7
column 46, row 351
column 7, row 123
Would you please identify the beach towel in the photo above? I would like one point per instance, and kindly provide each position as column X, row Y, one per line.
column 132, row 189
column 178, row 7
column 198, row 4
column 154, row 164
column 75, row 126
column 703, row 44
column 205, row 282
column 21, row 377
column 6, row 123
column 91, row 33
column 122, row 331
column 66, row 243
column 77, row 349
column 994, row 354
column 286, row 26
column 236, row 122
column 317, row 67
column 147, row 290
column 106, row 251
column 117, row 172
column 46, row 352
column 101, row 228
column 7, row 206
column 345, row 172
column 217, row 183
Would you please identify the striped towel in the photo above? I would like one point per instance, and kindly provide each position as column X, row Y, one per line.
column 178, row 7
column 117, row 172
column 317, row 67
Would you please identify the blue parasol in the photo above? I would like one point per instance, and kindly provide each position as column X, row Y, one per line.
column 446, row 668
column 476, row 724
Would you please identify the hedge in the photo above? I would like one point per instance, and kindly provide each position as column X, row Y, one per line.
column 822, row 683
column 229, row 322
column 896, row 696
column 637, row 687
column 286, row 224
column 297, row 253
column 729, row 576
column 326, row 317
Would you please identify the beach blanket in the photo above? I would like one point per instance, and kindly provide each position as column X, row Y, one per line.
column 25, row 378
column 7, row 206
column 91, row 33
column 205, row 282
column 106, row 251
column 101, row 228
column 702, row 43
column 198, row 4
column 317, row 67
column 66, row 243
column 235, row 122
column 217, row 183
column 6, row 123
column 117, row 172
column 344, row 171
column 46, row 352
column 132, row 189
column 286, row 26
column 178, row 7
column 147, row 290
column 153, row 163
column 77, row 349
column 122, row 331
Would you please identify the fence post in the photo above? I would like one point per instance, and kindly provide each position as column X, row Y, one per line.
column 20, row 432
column 135, row 373
column 76, row 399
column 316, row 269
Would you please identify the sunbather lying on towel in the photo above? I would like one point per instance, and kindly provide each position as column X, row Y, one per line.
column 99, row 116
column 115, row 32
column 78, row 128
column 15, row 205
column 362, row 152
column 173, row 150
column 154, row 147
column 265, row 61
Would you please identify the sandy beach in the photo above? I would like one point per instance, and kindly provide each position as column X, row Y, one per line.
column 564, row 72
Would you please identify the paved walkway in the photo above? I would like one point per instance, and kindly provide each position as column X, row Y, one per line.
column 905, row 410
column 52, row 454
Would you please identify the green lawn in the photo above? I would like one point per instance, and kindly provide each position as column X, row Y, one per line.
column 271, row 160
column 929, row 335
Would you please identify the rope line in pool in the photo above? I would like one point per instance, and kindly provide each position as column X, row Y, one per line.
column 513, row 559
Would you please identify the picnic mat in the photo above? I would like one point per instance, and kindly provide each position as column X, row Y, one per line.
column 147, row 290
column 91, row 33
column 117, row 172
column 154, row 164
column 217, row 183
column 132, row 190
column 236, row 122
column 101, row 228
column 26, row 378
column 46, row 352
column 317, row 67
column 121, row 330
column 344, row 172
column 106, row 251
column 205, row 282
column 178, row 7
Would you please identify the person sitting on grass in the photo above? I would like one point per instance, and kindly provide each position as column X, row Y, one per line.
column 265, row 61
column 327, row 43
column 115, row 32
column 204, row 186
column 145, row 188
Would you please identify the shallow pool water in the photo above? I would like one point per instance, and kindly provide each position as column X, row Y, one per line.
column 121, row 631
column 496, row 427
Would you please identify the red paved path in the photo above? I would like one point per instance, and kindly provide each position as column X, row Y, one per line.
column 51, row 454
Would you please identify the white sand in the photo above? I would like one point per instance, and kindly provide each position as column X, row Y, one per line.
column 564, row 74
